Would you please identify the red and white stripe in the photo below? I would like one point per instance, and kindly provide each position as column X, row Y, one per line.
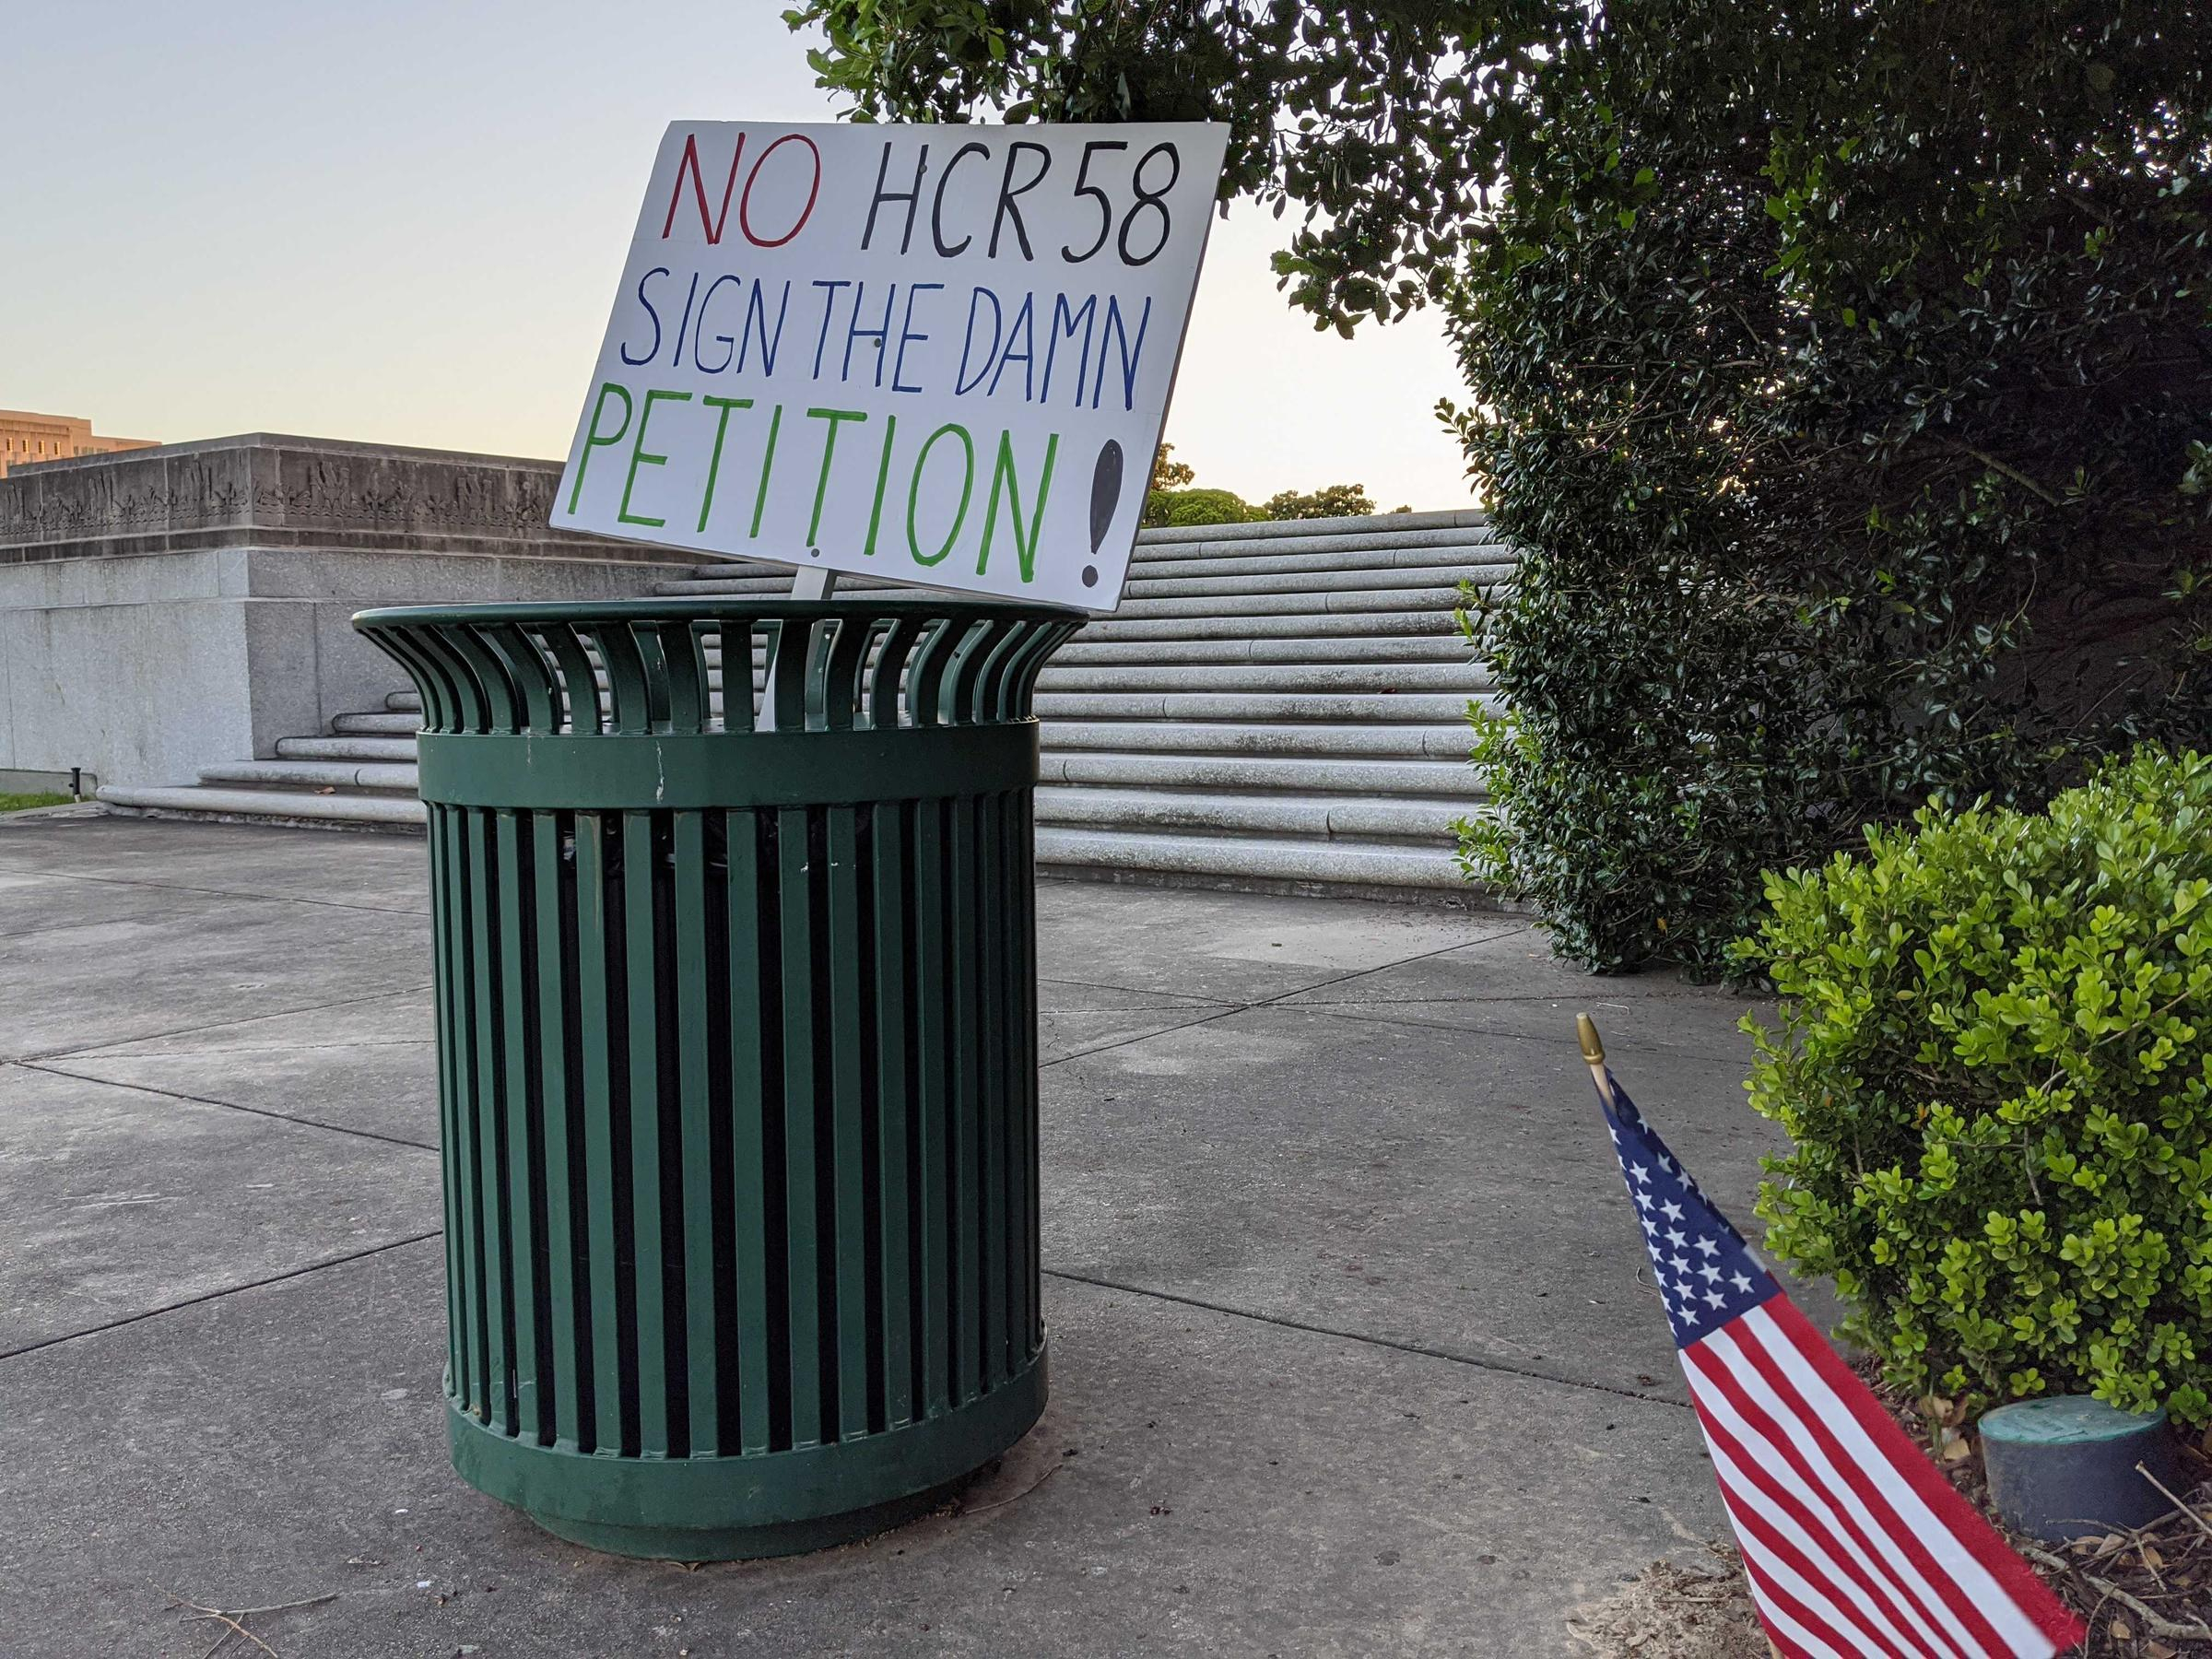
column 1856, row 1547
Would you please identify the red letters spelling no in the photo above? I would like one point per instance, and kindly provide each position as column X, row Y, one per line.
column 713, row 225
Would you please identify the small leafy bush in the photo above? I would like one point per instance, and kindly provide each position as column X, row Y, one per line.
column 1179, row 509
column 1335, row 500
column 1995, row 1060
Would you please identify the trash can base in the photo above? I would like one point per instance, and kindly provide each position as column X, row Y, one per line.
column 720, row 1509
column 748, row 1543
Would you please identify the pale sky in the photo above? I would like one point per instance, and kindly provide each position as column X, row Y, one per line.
column 403, row 220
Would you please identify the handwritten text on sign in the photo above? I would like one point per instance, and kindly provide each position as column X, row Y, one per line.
column 938, row 354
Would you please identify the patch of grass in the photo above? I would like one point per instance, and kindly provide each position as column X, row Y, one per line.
column 24, row 803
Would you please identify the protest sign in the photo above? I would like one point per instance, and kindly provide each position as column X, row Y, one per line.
column 935, row 354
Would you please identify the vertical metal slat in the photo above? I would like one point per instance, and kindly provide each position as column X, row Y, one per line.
column 695, row 1106
column 967, row 1102
column 992, row 1084
column 448, row 976
column 642, row 980
column 802, row 1286
column 503, row 839
column 751, row 1096
column 853, row 1207
column 484, row 1030
column 933, row 993
column 894, row 1105
column 596, row 1015
column 552, row 1059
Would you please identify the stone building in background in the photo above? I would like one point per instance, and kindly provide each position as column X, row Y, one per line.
column 26, row 439
column 1279, row 704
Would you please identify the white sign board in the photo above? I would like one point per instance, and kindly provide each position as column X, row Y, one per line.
column 936, row 354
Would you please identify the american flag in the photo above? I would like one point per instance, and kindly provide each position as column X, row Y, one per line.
column 1854, row 1544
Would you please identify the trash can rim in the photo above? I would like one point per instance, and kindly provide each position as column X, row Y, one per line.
column 929, row 606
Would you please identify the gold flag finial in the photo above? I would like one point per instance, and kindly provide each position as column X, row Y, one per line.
column 1594, row 1054
column 1593, row 1050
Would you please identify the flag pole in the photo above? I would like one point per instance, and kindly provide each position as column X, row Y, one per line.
column 1593, row 1055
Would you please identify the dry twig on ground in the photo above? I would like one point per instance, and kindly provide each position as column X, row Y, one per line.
column 234, row 1617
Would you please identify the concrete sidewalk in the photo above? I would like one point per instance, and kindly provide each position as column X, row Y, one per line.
column 1349, row 1350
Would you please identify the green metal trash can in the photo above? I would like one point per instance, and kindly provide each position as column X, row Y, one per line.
column 736, row 975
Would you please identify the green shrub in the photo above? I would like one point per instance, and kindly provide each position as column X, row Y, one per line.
column 1768, row 361
column 1337, row 500
column 1995, row 1060
column 1178, row 509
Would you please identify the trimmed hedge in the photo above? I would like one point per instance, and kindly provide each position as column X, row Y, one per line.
column 1995, row 1060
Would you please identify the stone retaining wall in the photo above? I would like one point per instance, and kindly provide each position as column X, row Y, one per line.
column 166, row 609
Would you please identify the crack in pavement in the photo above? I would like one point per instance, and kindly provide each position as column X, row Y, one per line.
column 195, row 1301
column 260, row 1111
column 1383, row 1342
column 127, row 1051
column 1687, row 994
column 1566, row 1040
column 88, row 1048
column 1181, row 999
column 1186, row 996
column 1264, row 1002
column 182, row 887
column 1304, row 1327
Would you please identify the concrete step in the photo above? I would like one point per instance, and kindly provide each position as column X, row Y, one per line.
column 1232, row 610
column 1228, row 596
column 1112, row 774
column 1213, row 574
column 1385, row 678
column 1262, row 561
column 1132, row 809
column 1097, row 819
column 1392, row 610
column 1234, row 859
column 1306, row 625
column 1383, row 529
column 1236, row 586
column 1376, row 539
column 1105, row 647
column 397, row 722
column 1266, row 536
column 1381, row 678
column 1287, row 775
column 314, row 774
column 1320, row 708
column 397, row 749
column 1446, row 741
column 1443, row 741
column 386, row 809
